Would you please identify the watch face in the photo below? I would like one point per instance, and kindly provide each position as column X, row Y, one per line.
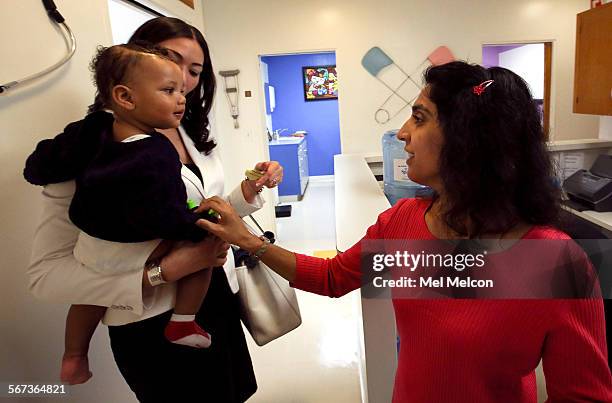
column 155, row 276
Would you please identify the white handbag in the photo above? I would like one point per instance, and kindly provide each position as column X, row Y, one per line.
column 269, row 307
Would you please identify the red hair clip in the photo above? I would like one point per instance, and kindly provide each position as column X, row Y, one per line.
column 479, row 89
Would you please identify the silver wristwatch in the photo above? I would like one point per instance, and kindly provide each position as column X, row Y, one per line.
column 155, row 275
column 262, row 249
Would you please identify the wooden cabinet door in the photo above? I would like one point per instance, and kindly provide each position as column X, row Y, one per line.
column 593, row 70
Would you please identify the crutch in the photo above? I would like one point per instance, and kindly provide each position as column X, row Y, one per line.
column 376, row 60
column 229, row 91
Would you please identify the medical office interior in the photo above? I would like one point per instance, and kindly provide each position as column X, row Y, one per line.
column 329, row 137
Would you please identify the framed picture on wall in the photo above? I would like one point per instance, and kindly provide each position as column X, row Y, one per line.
column 320, row 82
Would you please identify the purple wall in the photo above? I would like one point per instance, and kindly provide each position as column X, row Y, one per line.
column 490, row 53
column 318, row 118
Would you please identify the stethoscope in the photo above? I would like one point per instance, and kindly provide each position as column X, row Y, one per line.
column 67, row 32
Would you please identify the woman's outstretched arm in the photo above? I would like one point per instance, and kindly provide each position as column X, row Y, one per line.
column 332, row 277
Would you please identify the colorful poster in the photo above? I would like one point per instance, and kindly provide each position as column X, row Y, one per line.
column 320, row 82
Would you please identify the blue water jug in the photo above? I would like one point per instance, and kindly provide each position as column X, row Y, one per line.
column 397, row 184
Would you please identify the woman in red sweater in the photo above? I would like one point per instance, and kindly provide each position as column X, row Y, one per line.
column 476, row 138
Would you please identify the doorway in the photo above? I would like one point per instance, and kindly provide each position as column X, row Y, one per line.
column 531, row 61
column 328, row 343
column 292, row 112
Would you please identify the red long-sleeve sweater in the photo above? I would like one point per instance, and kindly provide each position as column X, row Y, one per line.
column 478, row 350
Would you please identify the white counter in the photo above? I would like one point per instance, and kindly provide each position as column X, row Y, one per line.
column 358, row 201
column 575, row 145
column 603, row 220
column 561, row 145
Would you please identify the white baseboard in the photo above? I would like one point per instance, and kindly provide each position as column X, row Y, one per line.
column 321, row 179
column 288, row 199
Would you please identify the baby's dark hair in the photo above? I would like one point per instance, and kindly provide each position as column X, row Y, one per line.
column 113, row 65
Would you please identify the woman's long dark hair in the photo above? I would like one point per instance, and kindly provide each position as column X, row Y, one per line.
column 494, row 164
column 199, row 101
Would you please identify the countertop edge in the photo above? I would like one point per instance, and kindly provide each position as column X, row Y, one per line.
column 358, row 198
column 553, row 146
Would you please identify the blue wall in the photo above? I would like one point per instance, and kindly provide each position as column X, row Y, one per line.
column 318, row 118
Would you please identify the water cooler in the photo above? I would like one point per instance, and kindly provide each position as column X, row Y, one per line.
column 397, row 184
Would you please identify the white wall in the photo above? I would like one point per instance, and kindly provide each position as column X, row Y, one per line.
column 605, row 127
column 407, row 30
column 528, row 62
column 32, row 331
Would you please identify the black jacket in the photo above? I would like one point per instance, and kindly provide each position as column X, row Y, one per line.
column 125, row 192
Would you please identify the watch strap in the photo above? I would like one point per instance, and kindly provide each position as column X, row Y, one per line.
column 263, row 248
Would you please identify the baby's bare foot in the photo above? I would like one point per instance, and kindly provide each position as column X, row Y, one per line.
column 75, row 369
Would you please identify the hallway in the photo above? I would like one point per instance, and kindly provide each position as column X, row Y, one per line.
column 319, row 361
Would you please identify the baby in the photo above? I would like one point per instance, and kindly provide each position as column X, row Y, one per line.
column 128, row 182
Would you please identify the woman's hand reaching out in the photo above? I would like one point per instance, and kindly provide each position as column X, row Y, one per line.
column 230, row 226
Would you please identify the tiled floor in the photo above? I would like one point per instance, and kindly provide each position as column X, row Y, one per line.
column 318, row 362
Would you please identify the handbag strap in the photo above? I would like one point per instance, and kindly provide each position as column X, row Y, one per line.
column 256, row 223
column 267, row 234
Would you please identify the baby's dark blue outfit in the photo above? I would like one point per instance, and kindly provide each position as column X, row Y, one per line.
column 125, row 191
